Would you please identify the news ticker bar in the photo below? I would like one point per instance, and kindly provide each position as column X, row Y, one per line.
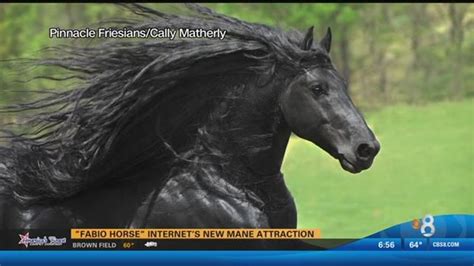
column 191, row 234
column 367, row 244
column 422, row 244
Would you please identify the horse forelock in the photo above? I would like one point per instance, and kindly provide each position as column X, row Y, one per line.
column 50, row 161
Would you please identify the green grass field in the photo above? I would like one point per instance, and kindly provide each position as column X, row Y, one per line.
column 426, row 165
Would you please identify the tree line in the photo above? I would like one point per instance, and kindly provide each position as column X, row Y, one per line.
column 389, row 53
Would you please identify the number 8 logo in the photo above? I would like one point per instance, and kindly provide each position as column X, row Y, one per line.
column 428, row 223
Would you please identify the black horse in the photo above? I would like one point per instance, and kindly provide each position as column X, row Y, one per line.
column 188, row 133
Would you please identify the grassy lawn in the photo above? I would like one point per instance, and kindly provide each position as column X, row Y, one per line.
column 426, row 165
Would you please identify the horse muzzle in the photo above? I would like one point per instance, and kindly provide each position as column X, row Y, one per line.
column 361, row 158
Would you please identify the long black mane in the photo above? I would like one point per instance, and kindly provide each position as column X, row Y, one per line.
column 71, row 132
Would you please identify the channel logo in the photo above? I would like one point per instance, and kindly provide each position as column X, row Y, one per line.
column 427, row 227
column 38, row 241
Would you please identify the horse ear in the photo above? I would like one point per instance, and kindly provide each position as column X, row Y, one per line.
column 326, row 41
column 308, row 39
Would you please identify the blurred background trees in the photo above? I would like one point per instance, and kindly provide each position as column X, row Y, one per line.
column 389, row 53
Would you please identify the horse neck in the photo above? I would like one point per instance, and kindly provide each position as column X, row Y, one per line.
column 268, row 162
column 254, row 114
column 262, row 122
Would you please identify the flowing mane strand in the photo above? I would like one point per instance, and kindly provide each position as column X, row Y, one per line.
column 76, row 128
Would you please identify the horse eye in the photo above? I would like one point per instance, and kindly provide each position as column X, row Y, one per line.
column 317, row 90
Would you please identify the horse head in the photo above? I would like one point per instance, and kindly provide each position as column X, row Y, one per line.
column 317, row 107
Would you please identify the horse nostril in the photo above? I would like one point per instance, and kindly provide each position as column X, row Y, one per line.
column 365, row 151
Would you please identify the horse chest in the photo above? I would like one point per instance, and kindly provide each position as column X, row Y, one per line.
column 186, row 203
column 183, row 202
